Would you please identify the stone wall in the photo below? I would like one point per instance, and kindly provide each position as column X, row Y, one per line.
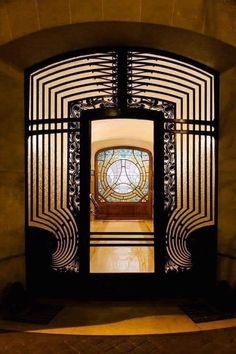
column 11, row 176
column 227, row 177
column 213, row 18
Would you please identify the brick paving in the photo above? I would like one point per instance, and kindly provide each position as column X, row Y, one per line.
column 208, row 342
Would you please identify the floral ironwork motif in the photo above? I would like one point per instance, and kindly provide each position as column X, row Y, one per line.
column 169, row 144
column 74, row 167
column 169, row 172
column 73, row 267
column 74, row 144
column 92, row 103
column 151, row 104
column 170, row 266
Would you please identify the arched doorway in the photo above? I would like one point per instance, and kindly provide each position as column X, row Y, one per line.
column 123, row 183
column 64, row 98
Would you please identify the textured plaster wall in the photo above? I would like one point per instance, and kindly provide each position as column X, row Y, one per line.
column 11, row 176
column 33, row 30
column 214, row 18
column 227, row 177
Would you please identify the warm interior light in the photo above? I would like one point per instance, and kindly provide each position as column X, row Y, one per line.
column 122, row 187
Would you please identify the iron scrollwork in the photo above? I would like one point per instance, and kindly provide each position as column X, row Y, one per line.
column 74, row 167
column 169, row 144
column 74, row 144
column 170, row 266
column 92, row 103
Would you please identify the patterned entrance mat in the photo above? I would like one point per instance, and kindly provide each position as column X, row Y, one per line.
column 201, row 311
column 36, row 314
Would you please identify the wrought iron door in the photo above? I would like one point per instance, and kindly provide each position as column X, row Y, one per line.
column 62, row 96
column 92, row 239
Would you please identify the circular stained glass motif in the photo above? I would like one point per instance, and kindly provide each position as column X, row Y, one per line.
column 123, row 175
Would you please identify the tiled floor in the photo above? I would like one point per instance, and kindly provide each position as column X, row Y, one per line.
column 207, row 342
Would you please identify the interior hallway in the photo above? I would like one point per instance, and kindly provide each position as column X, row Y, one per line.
column 121, row 226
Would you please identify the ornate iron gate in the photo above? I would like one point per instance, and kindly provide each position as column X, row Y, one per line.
column 63, row 92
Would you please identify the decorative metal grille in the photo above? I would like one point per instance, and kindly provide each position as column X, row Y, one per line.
column 159, row 82
column 89, row 81
column 154, row 81
column 123, row 175
column 74, row 167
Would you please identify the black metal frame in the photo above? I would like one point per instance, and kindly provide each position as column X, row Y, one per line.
column 86, row 119
column 57, row 282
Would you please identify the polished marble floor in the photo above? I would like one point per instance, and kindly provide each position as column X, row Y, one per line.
column 120, row 258
column 122, row 225
column 110, row 318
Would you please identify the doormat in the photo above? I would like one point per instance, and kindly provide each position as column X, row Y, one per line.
column 35, row 314
column 201, row 311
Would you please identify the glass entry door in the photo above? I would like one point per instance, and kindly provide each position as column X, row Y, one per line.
column 120, row 188
column 121, row 197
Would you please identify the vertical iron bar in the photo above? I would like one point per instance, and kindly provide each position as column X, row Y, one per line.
column 215, row 191
column 159, row 222
column 27, row 179
column 84, row 215
column 122, row 80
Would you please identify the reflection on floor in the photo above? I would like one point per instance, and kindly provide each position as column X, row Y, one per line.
column 121, row 259
column 119, row 318
column 121, row 225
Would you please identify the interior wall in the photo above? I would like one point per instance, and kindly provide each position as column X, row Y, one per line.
column 212, row 18
column 39, row 46
column 23, row 46
column 12, row 176
column 118, row 132
column 227, row 178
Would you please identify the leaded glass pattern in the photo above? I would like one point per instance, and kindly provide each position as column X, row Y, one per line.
column 123, row 175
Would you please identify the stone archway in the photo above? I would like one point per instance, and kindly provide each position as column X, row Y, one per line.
column 26, row 50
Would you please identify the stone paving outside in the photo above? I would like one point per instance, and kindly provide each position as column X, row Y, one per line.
column 207, row 342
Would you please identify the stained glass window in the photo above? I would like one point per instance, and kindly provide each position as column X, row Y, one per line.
column 123, row 175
